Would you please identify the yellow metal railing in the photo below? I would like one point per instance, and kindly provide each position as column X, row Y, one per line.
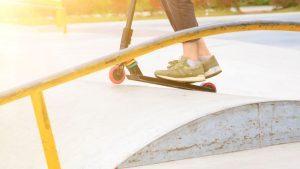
column 35, row 89
column 44, row 126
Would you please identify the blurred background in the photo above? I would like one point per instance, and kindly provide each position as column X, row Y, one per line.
column 41, row 12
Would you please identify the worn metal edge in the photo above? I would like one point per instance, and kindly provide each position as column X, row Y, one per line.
column 262, row 140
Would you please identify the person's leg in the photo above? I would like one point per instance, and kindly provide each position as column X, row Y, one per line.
column 188, row 69
column 203, row 52
column 190, row 50
column 181, row 13
column 196, row 56
column 182, row 16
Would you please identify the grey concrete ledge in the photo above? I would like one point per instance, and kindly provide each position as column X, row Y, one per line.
column 240, row 128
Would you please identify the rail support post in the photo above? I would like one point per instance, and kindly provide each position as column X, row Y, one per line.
column 61, row 19
column 46, row 134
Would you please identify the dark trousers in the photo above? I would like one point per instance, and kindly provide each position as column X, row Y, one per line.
column 181, row 13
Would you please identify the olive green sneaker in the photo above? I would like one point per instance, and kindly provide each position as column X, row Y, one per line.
column 182, row 72
column 172, row 63
column 211, row 67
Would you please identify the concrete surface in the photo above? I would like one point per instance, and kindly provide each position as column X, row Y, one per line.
column 99, row 125
column 276, row 157
column 240, row 128
column 255, row 9
column 247, row 72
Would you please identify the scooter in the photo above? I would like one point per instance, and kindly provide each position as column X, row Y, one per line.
column 117, row 73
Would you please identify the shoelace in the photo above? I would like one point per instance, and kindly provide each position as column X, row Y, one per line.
column 172, row 63
column 180, row 64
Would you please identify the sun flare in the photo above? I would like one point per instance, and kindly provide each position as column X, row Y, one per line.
column 5, row 1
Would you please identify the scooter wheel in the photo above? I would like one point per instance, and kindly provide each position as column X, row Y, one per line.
column 211, row 86
column 117, row 74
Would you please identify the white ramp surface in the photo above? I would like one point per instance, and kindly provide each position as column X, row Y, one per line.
column 119, row 121
column 97, row 125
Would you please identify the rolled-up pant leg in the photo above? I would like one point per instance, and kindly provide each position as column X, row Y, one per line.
column 181, row 13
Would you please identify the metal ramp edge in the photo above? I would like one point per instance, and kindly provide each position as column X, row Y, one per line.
column 240, row 128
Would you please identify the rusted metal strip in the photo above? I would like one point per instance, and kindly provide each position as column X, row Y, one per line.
column 235, row 129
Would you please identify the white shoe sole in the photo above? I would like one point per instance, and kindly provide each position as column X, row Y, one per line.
column 212, row 72
column 199, row 78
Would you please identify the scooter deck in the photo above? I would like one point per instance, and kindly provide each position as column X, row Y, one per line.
column 169, row 83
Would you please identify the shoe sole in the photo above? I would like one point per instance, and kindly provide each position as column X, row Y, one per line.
column 199, row 78
column 212, row 72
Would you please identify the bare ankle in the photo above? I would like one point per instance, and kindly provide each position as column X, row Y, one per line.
column 204, row 57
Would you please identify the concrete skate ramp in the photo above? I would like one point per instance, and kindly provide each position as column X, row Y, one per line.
column 283, row 156
column 239, row 128
column 99, row 125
